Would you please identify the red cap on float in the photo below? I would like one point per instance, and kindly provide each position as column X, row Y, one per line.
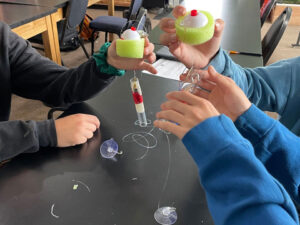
column 194, row 12
column 133, row 28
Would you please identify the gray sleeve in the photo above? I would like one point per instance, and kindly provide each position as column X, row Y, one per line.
column 36, row 77
column 18, row 137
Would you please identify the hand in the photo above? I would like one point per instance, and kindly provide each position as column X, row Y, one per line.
column 75, row 129
column 199, row 55
column 185, row 109
column 130, row 63
column 224, row 94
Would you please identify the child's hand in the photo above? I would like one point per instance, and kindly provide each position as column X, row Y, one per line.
column 75, row 129
column 197, row 55
column 224, row 94
column 185, row 109
column 132, row 64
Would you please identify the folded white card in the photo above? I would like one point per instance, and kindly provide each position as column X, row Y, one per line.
column 168, row 69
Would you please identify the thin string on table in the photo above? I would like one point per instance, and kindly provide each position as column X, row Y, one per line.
column 168, row 172
column 137, row 136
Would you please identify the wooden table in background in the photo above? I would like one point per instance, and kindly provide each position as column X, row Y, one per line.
column 29, row 20
column 45, row 25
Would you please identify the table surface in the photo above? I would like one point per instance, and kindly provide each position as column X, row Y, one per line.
column 122, row 191
column 125, row 190
column 242, row 29
column 16, row 15
column 49, row 3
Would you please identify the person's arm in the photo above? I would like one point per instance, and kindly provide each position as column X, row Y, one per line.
column 18, row 137
column 36, row 77
column 239, row 189
column 274, row 88
column 25, row 137
column 275, row 146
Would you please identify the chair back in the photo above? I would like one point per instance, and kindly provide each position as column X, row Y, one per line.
column 134, row 9
column 267, row 11
column 274, row 34
column 133, row 13
column 75, row 13
column 140, row 22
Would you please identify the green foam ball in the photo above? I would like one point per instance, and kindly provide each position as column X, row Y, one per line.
column 130, row 48
column 195, row 36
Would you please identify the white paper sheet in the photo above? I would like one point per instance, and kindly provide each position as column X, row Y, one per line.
column 168, row 69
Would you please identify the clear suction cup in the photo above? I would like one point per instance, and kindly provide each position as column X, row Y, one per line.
column 166, row 215
column 109, row 149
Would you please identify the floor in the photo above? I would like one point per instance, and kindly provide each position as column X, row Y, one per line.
column 25, row 109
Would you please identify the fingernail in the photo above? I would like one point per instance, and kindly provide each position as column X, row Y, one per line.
column 171, row 23
column 213, row 70
column 173, row 38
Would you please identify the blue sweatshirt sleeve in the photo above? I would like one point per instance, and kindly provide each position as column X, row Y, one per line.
column 238, row 188
column 274, row 88
column 275, row 146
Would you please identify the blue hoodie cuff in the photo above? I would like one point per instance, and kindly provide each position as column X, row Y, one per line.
column 218, row 62
column 209, row 137
column 254, row 124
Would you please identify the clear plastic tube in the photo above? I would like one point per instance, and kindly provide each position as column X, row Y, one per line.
column 138, row 101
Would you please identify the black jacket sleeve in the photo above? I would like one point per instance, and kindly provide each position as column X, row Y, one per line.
column 18, row 137
column 26, row 73
column 37, row 77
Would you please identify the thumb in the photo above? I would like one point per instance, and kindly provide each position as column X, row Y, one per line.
column 179, row 11
column 113, row 44
column 148, row 67
column 219, row 27
column 147, row 42
column 212, row 75
column 217, row 78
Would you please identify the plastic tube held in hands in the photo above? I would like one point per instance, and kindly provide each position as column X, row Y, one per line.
column 138, row 101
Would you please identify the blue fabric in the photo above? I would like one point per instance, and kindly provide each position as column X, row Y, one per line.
column 238, row 187
column 274, row 88
column 275, row 146
column 111, row 24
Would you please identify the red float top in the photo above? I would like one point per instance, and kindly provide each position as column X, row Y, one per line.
column 133, row 28
column 194, row 12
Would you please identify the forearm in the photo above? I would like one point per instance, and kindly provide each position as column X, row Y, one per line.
column 36, row 77
column 267, row 87
column 239, row 189
column 18, row 137
column 57, row 86
column 275, row 146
